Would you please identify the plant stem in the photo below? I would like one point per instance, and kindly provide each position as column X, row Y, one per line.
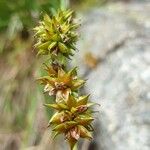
column 75, row 147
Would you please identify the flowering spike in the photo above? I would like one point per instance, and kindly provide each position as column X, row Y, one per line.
column 56, row 37
column 56, row 34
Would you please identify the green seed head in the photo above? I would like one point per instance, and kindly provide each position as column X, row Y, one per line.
column 56, row 35
column 73, row 118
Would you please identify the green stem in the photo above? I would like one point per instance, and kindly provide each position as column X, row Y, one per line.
column 75, row 147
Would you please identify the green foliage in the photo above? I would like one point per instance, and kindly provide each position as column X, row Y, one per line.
column 86, row 4
column 18, row 97
column 26, row 10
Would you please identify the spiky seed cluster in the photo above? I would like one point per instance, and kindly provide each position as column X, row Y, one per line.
column 61, row 83
column 56, row 35
column 73, row 116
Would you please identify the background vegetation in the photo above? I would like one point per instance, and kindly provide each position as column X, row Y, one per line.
column 22, row 117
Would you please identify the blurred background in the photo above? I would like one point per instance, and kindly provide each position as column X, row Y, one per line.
column 114, row 55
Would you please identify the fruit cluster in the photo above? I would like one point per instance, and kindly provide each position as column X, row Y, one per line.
column 56, row 37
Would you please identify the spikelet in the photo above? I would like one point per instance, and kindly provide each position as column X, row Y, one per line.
column 56, row 36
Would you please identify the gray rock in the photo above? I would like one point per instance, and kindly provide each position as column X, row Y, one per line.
column 121, row 81
column 121, row 84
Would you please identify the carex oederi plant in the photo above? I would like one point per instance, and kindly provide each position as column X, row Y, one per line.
column 56, row 37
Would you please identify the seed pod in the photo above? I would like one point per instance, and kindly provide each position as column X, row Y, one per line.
column 84, row 120
column 62, row 47
column 52, row 45
column 65, row 126
column 83, row 100
column 59, row 117
column 84, row 133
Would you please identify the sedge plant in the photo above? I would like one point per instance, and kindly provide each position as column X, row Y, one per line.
column 56, row 37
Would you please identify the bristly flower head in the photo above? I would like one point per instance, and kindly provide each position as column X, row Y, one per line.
column 56, row 35
column 73, row 118
column 62, row 83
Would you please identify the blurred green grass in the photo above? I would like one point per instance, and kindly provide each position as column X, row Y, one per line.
column 21, row 98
